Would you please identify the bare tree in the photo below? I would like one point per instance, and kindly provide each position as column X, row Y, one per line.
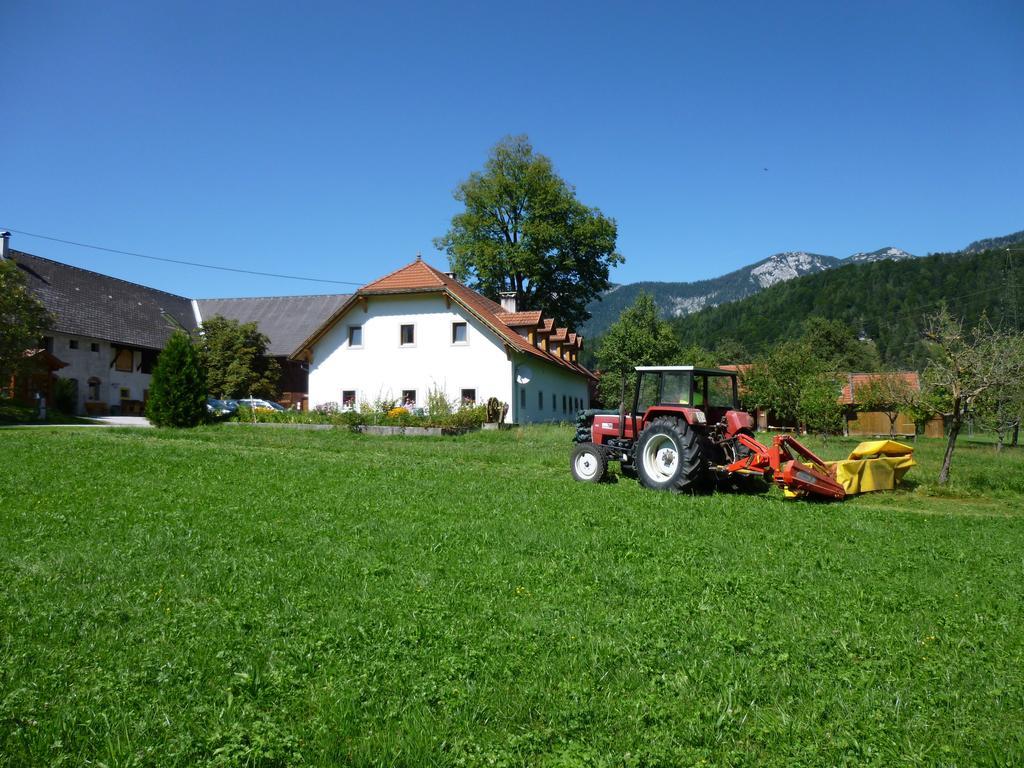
column 965, row 367
column 1000, row 409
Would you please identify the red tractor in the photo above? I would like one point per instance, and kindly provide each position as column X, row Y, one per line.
column 686, row 432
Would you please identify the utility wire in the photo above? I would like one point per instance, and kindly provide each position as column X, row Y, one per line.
column 178, row 261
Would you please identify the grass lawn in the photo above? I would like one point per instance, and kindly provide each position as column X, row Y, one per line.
column 261, row 597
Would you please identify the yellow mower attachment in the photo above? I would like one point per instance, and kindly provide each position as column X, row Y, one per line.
column 877, row 465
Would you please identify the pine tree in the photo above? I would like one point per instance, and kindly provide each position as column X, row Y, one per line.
column 177, row 393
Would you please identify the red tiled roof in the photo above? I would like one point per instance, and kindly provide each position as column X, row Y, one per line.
column 416, row 276
column 854, row 380
column 421, row 277
column 560, row 335
column 519, row 319
column 547, row 326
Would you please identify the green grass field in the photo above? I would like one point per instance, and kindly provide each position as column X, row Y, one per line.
column 261, row 597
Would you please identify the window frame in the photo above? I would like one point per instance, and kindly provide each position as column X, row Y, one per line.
column 465, row 333
column 345, row 403
column 462, row 395
column 94, row 346
column 355, row 329
column 404, row 398
column 401, row 334
column 72, row 343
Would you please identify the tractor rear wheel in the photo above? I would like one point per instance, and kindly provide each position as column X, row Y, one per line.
column 669, row 457
column 589, row 463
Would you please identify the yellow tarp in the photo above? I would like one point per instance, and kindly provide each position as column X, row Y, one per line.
column 877, row 465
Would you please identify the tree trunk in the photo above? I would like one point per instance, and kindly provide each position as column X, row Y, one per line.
column 1016, row 430
column 892, row 423
column 954, row 430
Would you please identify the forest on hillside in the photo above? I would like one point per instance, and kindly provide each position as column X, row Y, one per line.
column 884, row 301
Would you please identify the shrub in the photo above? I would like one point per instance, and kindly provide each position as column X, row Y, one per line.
column 65, row 395
column 177, row 392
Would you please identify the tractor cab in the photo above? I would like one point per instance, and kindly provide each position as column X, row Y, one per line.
column 709, row 390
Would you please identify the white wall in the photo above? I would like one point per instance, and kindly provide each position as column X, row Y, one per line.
column 382, row 368
column 547, row 381
column 84, row 364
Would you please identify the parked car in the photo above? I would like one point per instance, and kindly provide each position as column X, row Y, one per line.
column 220, row 407
column 258, row 404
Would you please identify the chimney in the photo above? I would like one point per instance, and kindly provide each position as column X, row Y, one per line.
column 5, row 241
column 508, row 301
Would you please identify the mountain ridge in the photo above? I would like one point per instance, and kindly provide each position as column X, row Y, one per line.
column 677, row 299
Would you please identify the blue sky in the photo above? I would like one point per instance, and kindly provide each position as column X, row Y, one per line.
column 326, row 139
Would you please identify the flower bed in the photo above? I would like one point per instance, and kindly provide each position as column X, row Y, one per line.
column 374, row 418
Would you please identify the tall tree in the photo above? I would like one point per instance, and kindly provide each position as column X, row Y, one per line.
column 234, row 356
column 965, row 368
column 177, row 391
column 523, row 230
column 23, row 320
column 638, row 337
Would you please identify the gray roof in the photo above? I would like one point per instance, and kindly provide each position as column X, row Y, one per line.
column 89, row 304
column 286, row 320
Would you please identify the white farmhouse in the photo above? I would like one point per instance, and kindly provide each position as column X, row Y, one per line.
column 417, row 330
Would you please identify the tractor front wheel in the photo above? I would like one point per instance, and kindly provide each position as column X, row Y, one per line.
column 589, row 463
column 669, row 457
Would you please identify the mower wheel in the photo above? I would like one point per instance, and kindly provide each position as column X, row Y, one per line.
column 589, row 463
column 669, row 457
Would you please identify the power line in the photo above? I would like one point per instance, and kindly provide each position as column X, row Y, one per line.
column 179, row 261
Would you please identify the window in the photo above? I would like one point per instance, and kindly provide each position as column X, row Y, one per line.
column 126, row 393
column 348, row 398
column 554, row 402
column 540, row 400
column 565, row 404
column 94, row 389
column 73, row 343
column 675, row 388
column 94, row 346
column 123, row 361
column 355, row 335
column 469, row 396
column 408, row 398
column 408, row 335
column 522, row 398
column 148, row 362
column 720, row 391
column 459, row 333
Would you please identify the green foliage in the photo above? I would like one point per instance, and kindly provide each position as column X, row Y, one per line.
column 23, row 320
column 835, row 342
column 234, row 356
column 65, row 395
column 177, row 391
column 796, row 386
column 885, row 301
column 638, row 337
column 267, row 597
column 523, row 230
